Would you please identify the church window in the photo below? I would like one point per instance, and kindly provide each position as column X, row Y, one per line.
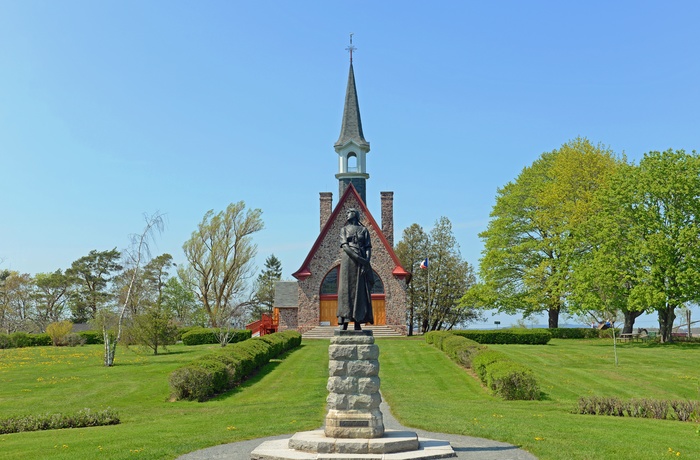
column 329, row 285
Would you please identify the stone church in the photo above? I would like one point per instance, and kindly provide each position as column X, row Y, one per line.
column 312, row 300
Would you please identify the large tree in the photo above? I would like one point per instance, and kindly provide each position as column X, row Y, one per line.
column 52, row 292
column 411, row 250
column 434, row 292
column 91, row 275
column 16, row 301
column 533, row 237
column 220, row 255
column 662, row 198
column 264, row 296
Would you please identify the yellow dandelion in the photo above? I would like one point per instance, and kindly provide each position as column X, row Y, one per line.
column 230, row 428
column 65, row 446
column 539, row 439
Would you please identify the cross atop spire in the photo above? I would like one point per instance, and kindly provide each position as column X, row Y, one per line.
column 350, row 48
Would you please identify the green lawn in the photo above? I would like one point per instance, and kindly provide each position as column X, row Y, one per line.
column 427, row 390
column 424, row 388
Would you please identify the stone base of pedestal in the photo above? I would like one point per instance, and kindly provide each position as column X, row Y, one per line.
column 354, row 424
column 314, row 445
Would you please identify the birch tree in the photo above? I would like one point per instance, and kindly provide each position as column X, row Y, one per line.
column 137, row 254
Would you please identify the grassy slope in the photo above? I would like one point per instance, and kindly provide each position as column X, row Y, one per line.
column 47, row 379
column 456, row 403
column 424, row 388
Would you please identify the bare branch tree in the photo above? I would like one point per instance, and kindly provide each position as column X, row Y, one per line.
column 138, row 252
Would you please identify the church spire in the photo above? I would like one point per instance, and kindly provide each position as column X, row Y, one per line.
column 351, row 145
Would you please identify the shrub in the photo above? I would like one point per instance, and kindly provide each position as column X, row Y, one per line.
column 684, row 411
column 436, row 337
column 73, row 340
column 226, row 367
column 191, row 382
column 484, row 359
column 512, row 381
column 203, row 336
column 20, row 339
column 461, row 350
column 58, row 331
column 40, row 340
column 80, row 419
column 92, row 337
column 5, row 341
column 507, row 336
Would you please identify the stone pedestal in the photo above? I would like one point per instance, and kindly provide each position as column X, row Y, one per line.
column 353, row 385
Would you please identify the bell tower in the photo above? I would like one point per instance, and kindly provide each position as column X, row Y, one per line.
column 351, row 147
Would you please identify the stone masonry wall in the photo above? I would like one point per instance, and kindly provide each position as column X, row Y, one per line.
column 327, row 256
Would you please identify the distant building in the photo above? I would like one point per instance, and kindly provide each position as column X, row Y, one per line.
column 312, row 300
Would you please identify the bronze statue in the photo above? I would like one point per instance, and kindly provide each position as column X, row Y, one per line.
column 356, row 276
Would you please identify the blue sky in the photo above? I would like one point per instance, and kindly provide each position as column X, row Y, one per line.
column 109, row 110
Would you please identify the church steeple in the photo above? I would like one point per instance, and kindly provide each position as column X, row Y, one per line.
column 351, row 146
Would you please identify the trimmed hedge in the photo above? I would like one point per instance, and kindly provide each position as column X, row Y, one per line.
column 203, row 336
column 82, row 418
column 23, row 339
column 507, row 336
column 681, row 410
column 92, row 337
column 581, row 333
column 225, row 368
column 503, row 377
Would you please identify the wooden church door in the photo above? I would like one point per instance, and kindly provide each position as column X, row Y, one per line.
column 329, row 299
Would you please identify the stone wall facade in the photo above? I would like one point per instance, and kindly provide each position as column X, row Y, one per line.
column 327, row 256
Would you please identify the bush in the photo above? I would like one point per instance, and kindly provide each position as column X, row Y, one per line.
column 80, row 419
column 461, row 350
column 512, row 381
column 58, row 331
column 73, row 340
column 484, row 359
column 40, row 340
column 574, row 332
column 5, row 341
column 507, row 336
column 226, row 367
column 436, row 337
column 20, row 340
column 684, row 411
column 191, row 382
column 203, row 336
column 92, row 337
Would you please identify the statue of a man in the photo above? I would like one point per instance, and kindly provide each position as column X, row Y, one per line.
column 356, row 276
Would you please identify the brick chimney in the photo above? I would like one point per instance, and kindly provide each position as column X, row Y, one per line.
column 388, row 216
column 326, row 207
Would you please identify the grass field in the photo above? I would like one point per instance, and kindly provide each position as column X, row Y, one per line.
column 424, row 388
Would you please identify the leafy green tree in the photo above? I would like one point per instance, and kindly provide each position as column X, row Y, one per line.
column 91, row 275
column 264, row 297
column 434, row 293
column 181, row 301
column 534, row 237
column 16, row 301
column 220, row 255
column 662, row 198
column 604, row 276
column 51, row 295
column 411, row 250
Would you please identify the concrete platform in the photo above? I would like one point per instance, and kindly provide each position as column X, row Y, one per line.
column 280, row 450
column 316, row 442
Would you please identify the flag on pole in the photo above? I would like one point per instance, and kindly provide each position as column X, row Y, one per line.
column 424, row 264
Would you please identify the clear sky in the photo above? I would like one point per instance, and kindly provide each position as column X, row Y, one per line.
column 113, row 109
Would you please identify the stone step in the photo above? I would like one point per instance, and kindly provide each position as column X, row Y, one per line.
column 326, row 332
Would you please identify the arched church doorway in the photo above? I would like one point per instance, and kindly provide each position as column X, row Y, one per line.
column 329, row 299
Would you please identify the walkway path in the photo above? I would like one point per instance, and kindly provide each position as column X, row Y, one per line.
column 465, row 447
